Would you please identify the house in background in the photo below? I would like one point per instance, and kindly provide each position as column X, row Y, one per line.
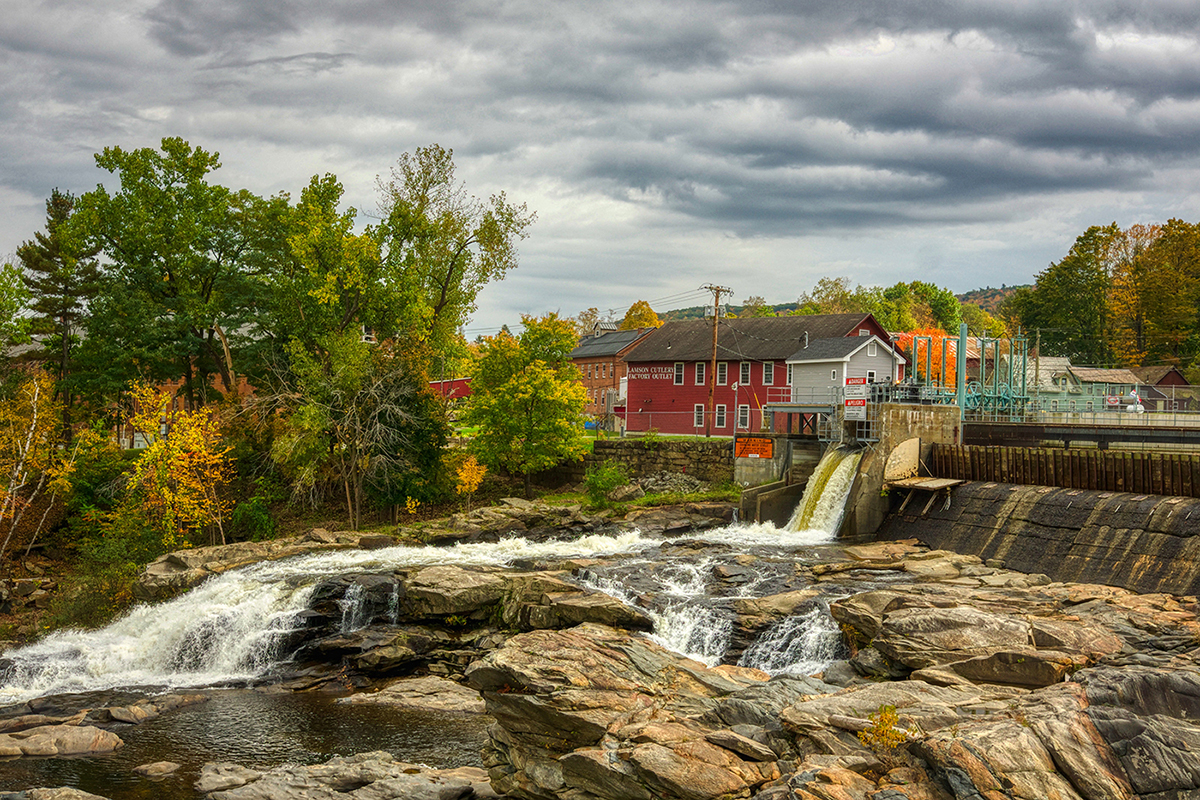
column 819, row 371
column 669, row 369
column 600, row 359
column 1054, row 384
column 1178, row 393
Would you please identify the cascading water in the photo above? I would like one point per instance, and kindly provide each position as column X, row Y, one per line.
column 824, row 499
column 798, row 645
column 235, row 626
column 355, row 615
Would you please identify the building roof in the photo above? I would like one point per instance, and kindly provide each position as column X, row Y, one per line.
column 1045, row 369
column 838, row 349
column 1098, row 375
column 607, row 344
column 1155, row 375
column 754, row 339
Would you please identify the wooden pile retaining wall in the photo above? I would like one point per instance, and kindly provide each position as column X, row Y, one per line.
column 1176, row 474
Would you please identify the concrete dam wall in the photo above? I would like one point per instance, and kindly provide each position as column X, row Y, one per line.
column 1146, row 543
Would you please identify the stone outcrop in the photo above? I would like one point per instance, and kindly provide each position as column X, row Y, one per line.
column 429, row 693
column 181, row 570
column 59, row 740
column 366, row 775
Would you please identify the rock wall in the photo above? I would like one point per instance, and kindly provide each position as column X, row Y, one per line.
column 1146, row 543
column 710, row 460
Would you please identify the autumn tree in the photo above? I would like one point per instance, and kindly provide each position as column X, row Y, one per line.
column 62, row 277
column 925, row 361
column 31, row 462
column 639, row 315
column 1131, row 287
column 179, row 481
column 467, row 478
column 1172, row 294
column 527, row 400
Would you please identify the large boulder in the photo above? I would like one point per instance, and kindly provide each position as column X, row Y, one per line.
column 428, row 693
column 59, row 740
column 597, row 712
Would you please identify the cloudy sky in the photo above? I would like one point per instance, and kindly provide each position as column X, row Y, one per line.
column 757, row 144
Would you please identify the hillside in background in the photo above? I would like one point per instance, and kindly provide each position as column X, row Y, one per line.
column 699, row 312
column 989, row 299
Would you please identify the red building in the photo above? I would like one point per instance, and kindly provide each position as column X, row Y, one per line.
column 601, row 362
column 668, row 371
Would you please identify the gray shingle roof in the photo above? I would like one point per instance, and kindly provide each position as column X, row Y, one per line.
column 828, row 349
column 607, row 344
column 756, row 339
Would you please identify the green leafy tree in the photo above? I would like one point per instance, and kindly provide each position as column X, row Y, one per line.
column 1069, row 301
column 181, row 250
column 361, row 417
column 639, row 315
column 756, row 307
column 442, row 243
column 13, row 298
column 62, row 277
column 527, row 400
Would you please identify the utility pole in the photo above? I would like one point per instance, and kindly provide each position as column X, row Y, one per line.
column 717, row 291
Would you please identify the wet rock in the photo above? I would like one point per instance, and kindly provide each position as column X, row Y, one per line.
column 429, row 693
column 925, row 637
column 59, row 740
column 60, row 793
column 159, row 769
column 448, row 590
column 366, row 775
column 219, row 776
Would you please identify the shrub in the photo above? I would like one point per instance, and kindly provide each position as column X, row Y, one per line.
column 251, row 520
column 602, row 479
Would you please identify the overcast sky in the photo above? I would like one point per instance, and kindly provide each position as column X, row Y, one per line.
column 664, row 145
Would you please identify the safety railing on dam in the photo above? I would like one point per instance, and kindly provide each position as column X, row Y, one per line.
column 1159, row 473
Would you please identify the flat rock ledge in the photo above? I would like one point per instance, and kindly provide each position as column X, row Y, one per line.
column 175, row 573
column 1018, row 691
column 366, row 776
column 428, row 693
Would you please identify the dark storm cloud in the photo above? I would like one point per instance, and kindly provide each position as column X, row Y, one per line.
column 763, row 121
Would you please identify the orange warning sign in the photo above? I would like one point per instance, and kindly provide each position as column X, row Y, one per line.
column 755, row 447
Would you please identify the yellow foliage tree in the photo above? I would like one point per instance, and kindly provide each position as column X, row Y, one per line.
column 640, row 315
column 181, row 476
column 30, row 457
column 470, row 475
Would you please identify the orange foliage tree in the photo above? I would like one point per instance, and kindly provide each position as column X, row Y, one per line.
column 180, row 479
column 928, row 362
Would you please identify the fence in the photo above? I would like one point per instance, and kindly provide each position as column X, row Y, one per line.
column 1175, row 474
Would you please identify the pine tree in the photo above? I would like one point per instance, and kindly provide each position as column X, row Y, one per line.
column 62, row 276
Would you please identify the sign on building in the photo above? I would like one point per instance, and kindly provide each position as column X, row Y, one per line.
column 855, row 398
column 755, row 447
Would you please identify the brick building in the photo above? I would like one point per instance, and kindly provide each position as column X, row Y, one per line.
column 601, row 362
column 668, row 370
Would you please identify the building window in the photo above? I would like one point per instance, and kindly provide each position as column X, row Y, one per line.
column 833, row 374
column 789, row 374
column 870, row 376
column 720, row 423
column 745, row 373
column 872, row 350
column 722, row 373
column 700, row 365
column 1054, row 405
column 698, row 415
column 679, row 373
column 743, row 416
column 768, row 373
column 864, row 332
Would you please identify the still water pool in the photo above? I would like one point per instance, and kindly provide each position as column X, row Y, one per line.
column 254, row 729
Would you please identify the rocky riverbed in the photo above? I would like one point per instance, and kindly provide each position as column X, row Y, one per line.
column 881, row 671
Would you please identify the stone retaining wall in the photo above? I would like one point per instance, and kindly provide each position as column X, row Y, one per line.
column 709, row 460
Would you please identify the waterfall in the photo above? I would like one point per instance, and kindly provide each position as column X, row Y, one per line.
column 354, row 608
column 798, row 645
column 824, row 499
column 682, row 622
column 233, row 627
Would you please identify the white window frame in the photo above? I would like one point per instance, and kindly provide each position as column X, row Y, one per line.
column 872, row 350
column 745, row 373
column 743, row 420
column 870, row 376
column 679, row 373
column 701, row 370
column 698, row 415
column 722, row 373
column 720, row 421
column 789, row 374
column 768, row 373
column 833, row 374
column 864, row 331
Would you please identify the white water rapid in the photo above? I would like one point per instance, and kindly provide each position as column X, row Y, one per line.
column 234, row 627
